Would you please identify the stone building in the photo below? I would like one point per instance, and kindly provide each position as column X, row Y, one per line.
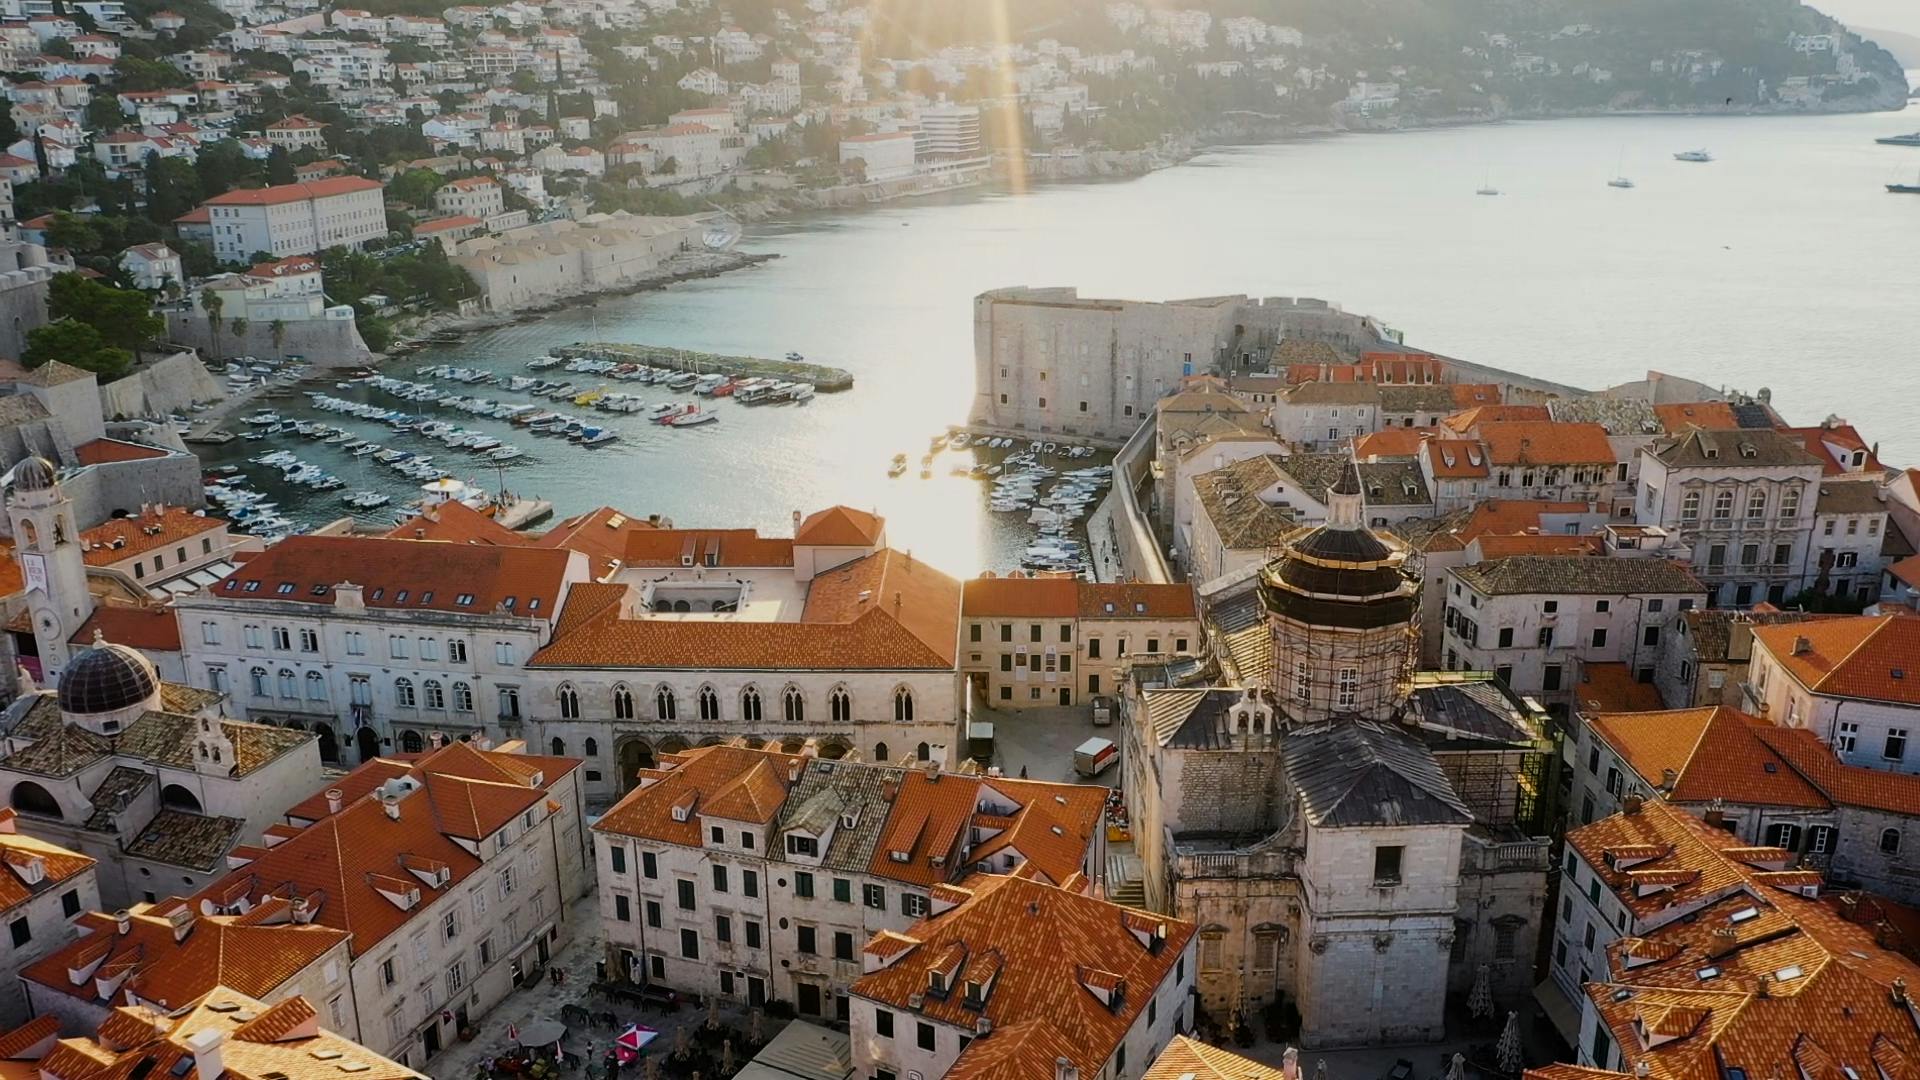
column 1048, row 640
column 1353, row 839
column 756, row 875
column 551, row 260
column 1849, row 681
column 43, row 889
column 143, row 775
column 1049, row 361
column 1741, row 503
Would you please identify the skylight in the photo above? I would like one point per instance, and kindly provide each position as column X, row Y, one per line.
column 1708, row 972
column 1789, row 973
column 1744, row 914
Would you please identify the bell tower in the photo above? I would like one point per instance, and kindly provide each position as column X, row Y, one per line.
column 47, row 545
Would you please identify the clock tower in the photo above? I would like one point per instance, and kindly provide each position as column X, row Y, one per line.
column 47, row 544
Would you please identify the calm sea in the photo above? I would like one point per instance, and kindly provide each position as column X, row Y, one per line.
column 1784, row 264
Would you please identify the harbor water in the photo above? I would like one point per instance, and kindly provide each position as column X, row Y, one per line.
column 1783, row 263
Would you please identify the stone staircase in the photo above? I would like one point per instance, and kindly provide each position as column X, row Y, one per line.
column 1125, row 882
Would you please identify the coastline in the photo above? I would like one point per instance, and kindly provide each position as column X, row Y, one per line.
column 1240, row 129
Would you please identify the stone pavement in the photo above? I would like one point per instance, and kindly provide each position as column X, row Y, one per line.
column 462, row 1061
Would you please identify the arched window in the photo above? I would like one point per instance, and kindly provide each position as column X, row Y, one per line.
column 462, row 697
column 592, row 748
column 903, row 706
column 923, row 752
column 1790, row 503
column 179, row 798
column 663, row 703
column 840, row 706
column 258, row 680
column 316, row 686
column 31, row 798
column 1690, row 506
column 403, row 693
column 411, row 743
column 436, row 695
column 709, row 704
column 1757, row 503
column 880, row 753
column 1723, row 503
column 795, row 705
column 559, row 746
column 750, row 705
column 289, row 686
column 622, row 702
column 1890, row 841
column 569, row 703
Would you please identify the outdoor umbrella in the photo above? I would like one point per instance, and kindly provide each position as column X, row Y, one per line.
column 542, row 1033
column 1480, row 1001
column 1508, row 1052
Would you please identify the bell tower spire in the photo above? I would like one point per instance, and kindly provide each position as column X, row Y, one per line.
column 47, row 543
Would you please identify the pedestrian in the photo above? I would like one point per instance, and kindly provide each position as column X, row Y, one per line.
column 1023, row 772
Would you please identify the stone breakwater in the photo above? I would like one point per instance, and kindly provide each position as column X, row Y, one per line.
column 827, row 380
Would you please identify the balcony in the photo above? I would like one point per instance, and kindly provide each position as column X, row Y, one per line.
column 1198, row 857
column 1483, row 855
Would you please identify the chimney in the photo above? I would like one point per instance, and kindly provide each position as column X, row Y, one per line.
column 793, row 771
column 335, row 799
column 1899, row 991
column 1064, row 1070
column 1763, row 986
column 796, row 521
column 302, row 910
column 391, row 804
column 122, row 922
column 1668, row 778
column 1630, row 804
column 1642, row 1070
column 181, row 918
column 1716, row 817
column 897, row 599
column 205, row 1045
column 1801, row 646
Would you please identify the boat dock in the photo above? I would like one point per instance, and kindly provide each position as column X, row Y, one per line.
column 826, row 380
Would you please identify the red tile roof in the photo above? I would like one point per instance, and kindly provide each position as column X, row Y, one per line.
column 457, row 523
column 1710, row 415
column 150, row 629
column 841, row 526
column 439, row 225
column 1125, row 600
column 1871, row 657
column 1483, row 414
column 119, row 539
column 1046, row 596
column 404, row 574
column 1522, row 442
column 692, row 779
column 103, row 451
column 1040, row 952
column 885, row 611
column 600, row 535
column 1844, row 436
column 1398, row 442
column 728, row 547
column 1714, row 753
column 1501, row 547
column 18, row 849
column 286, row 193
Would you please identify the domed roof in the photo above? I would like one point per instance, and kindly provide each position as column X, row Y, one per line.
column 106, row 678
column 34, row 474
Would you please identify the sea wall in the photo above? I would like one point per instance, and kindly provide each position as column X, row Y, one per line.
column 322, row 342
column 162, row 387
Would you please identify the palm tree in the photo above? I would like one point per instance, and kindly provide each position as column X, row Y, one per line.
column 240, row 330
column 210, row 299
column 278, row 328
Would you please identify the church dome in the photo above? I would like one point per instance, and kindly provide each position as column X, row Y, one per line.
column 106, row 678
column 1341, row 574
column 34, row 474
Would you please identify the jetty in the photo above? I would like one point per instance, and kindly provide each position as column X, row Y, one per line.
column 826, row 380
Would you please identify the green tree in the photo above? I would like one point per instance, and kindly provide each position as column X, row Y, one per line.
column 173, row 188
column 134, row 73
column 280, row 166
column 278, row 329
column 222, row 166
column 415, row 187
column 211, row 300
column 124, row 318
column 239, row 328
column 72, row 233
column 103, row 113
column 72, row 342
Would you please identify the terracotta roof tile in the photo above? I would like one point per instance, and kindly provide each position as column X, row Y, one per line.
column 600, row 535
column 1133, row 600
column 403, row 574
column 56, row 865
column 647, row 811
column 1044, row 596
column 218, row 950
column 456, row 522
column 1045, row 939
column 1538, row 442
column 119, row 539
column 727, row 547
column 1711, row 415
column 841, row 526
column 1186, row 1057
column 105, row 451
column 286, row 193
column 150, row 629
column 1714, row 753
column 1872, row 657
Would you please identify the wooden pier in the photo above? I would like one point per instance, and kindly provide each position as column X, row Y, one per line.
column 826, row 380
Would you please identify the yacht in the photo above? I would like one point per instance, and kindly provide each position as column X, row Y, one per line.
column 1700, row 156
column 1620, row 182
column 1900, row 140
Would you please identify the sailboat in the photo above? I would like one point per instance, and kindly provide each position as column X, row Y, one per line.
column 1487, row 188
column 1620, row 182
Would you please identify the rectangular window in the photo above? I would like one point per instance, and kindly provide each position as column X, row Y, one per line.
column 842, row 945
column 924, row 1035
column 719, row 879
column 722, row 929
column 749, row 883
column 690, row 944
column 874, row 896
column 649, row 865
column 1896, row 748
column 803, row 885
column 622, row 908
column 1600, row 637
column 1386, row 864
column 753, row 934
column 843, row 890
column 804, row 940
column 883, row 1023
column 685, row 890
column 653, row 914
column 618, row 857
